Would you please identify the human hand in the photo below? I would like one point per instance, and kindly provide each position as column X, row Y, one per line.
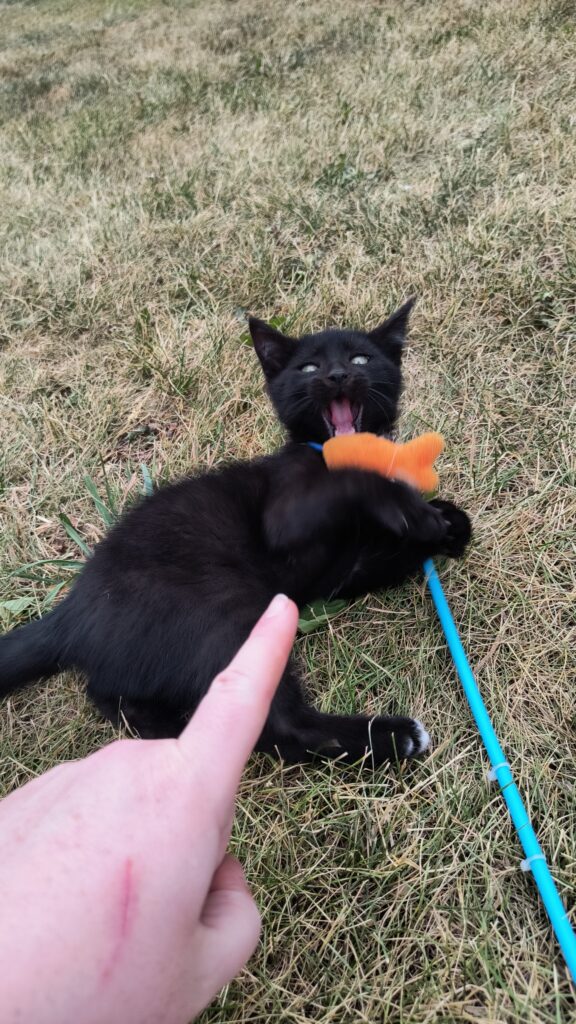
column 118, row 901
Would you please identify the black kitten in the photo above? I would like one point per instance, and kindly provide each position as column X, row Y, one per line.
column 170, row 594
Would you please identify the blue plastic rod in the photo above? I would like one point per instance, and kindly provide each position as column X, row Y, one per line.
column 535, row 860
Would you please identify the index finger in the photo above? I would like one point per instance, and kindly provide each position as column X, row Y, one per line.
column 230, row 718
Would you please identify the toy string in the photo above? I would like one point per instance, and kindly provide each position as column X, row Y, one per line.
column 535, row 861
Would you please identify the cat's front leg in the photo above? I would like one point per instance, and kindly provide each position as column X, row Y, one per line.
column 381, row 566
column 402, row 511
column 458, row 529
column 299, row 514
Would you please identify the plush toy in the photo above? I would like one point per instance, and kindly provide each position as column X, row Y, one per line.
column 412, row 462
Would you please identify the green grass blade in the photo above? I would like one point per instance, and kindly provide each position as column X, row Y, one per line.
column 63, row 563
column 74, row 535
column 106, row 514
column 112, row 504
column 148, row 483
column 318, row 614
column 52, row 595
column 16, row 605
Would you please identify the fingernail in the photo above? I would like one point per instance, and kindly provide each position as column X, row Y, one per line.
column 277, row 606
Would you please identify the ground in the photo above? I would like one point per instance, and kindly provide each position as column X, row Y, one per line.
column 166, row 166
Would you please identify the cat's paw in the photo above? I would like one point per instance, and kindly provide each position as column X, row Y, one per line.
column 394, row 739
column 458, row 529
column 407, row 515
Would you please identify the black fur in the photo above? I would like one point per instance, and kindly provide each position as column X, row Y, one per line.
column 170, row 594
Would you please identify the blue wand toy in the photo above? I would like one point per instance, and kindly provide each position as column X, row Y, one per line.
column 535, row 861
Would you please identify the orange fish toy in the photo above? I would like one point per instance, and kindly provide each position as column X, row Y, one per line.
column 412, row 462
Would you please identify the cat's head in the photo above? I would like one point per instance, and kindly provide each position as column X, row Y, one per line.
column 336, row 381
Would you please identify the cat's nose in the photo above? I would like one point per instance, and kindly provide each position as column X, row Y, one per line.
column 337, row 376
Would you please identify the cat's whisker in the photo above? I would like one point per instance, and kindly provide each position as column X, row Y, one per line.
column 376, row 398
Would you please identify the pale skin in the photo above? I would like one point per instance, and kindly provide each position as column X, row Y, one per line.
column 119, row 903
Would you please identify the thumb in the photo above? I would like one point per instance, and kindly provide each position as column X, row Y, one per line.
column 231, row 923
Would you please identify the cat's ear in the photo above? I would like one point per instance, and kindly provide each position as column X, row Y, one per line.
column 391, row 335
column 272, row 347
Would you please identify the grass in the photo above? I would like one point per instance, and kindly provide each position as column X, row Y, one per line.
column 165, row 166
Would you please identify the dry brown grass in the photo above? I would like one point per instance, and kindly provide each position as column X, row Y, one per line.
column 164, row 166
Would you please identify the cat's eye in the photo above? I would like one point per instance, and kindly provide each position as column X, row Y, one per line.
column 309, row 368
column 360, row 360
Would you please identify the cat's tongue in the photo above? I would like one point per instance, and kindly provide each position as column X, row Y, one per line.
column 341, row 416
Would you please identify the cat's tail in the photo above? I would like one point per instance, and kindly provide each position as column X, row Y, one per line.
column 32, row 652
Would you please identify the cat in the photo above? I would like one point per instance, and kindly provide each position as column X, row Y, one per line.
column 170, row 594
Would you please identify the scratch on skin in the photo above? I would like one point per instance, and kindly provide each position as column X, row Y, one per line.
column 124, row 918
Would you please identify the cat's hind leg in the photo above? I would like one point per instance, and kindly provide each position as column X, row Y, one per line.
column 149, row 719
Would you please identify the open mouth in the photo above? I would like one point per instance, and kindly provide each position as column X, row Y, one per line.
column 343, row 417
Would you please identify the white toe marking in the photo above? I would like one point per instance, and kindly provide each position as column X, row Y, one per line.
column 423, row 738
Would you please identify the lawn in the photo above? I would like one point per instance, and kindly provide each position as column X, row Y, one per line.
column 166, row 166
